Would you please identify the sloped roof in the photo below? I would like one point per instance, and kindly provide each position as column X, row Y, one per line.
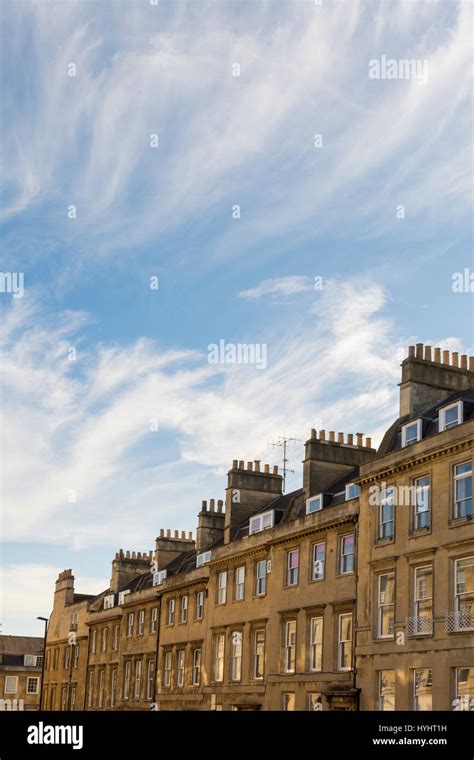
column 21, row 645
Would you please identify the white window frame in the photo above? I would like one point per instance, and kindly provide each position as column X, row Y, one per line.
column 349, row 494
column 415, row 696
column 109, row 601
column 199, row 605
column 239, row 583
column 292, row 573
column 442, row 416
column 414, row 423
column 126, row 680
column 167, row 668
column 184, row 609
column 261, row 580
column 159, row 577
column 203, row 558
column 101, row 687
column 137, row 680
column 171, row 611
column 75, row 663
column 141, row 622
column 383, row 606
column 264, row 521
column 122, row 595
column 154, row 620
column 417, row 512
column 314, row 504
column 93, row 642
column 116, row 638
column 180, row 666
column 105, row 636
column 197, row 660
column 318, row 566
column 289, row 698
column 387, row 498
column 150, row 677
column 219, row 657
column 316, row 628
column 130, row 622
column 29, row 660
column 259, row 655
column 222, row 587
column 464, row 701
column 418, row 600
column 28, row 681
column 90, row 689
column 380, row 697
column 341, row 642
column 456, row 479
column 72, row 700
column 459, row 594
column 291, row 630
column 11, row 679
column 236, row 656
column 343, row 555
column 113, row 687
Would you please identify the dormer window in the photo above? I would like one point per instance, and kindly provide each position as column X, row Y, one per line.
column 159, row 577
column 411, row 433
column 203, row 558
column 314, row 504
column 262, row 522
column 352, row 491
column 450, row 416
column 109, row 601
column 122, row 595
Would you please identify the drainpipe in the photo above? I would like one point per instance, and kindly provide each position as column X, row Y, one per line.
column 158, row 623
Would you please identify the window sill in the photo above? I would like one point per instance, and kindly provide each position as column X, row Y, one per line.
column 416, row 532
column 384, row 541
column 455, row 522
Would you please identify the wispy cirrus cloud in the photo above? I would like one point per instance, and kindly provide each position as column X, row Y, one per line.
column 279, row 286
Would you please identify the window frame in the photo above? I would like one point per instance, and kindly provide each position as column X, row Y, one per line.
column 184, row 606
column 384, row 501
column 221, row 597
column 292, row 573
column 236, row 656
column 442, row 416
column 458, row 595
column 196, row 669
column 261, row 579
column 218, row 658
column 180, row 667
column 167, row 668
column 316, row 646
column 199, row 607
column 315, row 561
column 259, row 520
column 257, row 655
column 343, row 556
column 416, row 697
column 380, row 696
column 130, row 624
column 341, row 642
column 170, row 612
column 11, row 690
column 406, row 427
column 239, row 585
column 289, row 651
column 383, row 606
column 317, row 498
column 456, row 479
column 420, row 512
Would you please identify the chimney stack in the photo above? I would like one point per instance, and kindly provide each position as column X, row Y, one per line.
column 426, row 381
column 247, row 491
column 210, row 525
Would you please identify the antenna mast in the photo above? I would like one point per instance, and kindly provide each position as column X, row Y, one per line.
column 283, row 441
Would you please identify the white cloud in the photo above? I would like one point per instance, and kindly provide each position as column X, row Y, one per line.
column 279, row 286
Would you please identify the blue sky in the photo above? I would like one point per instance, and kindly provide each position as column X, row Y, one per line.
column 332, row 211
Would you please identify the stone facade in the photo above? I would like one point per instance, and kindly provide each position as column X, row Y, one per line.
column 337, row 596
column 21, row 659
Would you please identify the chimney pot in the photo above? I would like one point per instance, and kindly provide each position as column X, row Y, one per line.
column 275, row 469
column 331, row 436
column 455, row 362
column 463, row 361
column 322, row 435
column 257, row 465
column 234, row 464
column 428, row 353
column 127, row 554
column 368, row 442
column 340, row 437
column 445, row 357
column 266, row 468
column 411, row 352
column 359, row 437
column 220, row 504
column 168, row 533
column 204, row 506
column 250, row 466
column 162, row 533
column 419, row 350
column 350, row 439
column 241, row 464
column 183, row 535
column 190, row 535
column 313, row 434
column 437, row 355
column 471, row 363
column 212, row 505
column 176, row 534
